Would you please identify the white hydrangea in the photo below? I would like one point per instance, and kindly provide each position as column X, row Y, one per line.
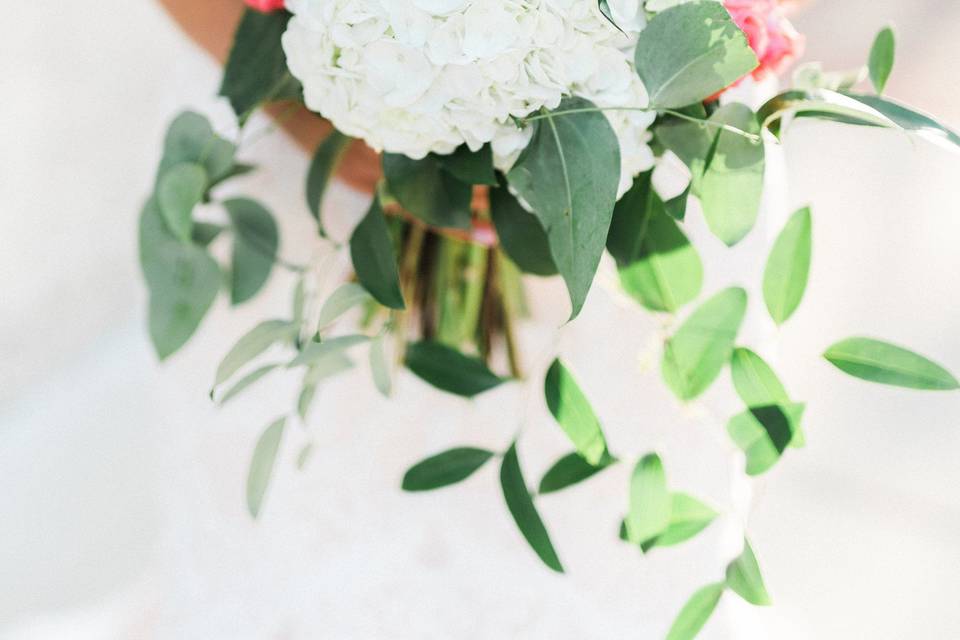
column 421, row 76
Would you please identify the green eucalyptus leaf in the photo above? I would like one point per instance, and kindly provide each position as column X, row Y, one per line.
column 696, row 612
column 732, row 184
column 246, row 382
column 329, row 364
column 252, row 344
column 569, row 470
column 427, row 191
column 695, row 355
column 316, row 352
column 755, row 382
column 449, row 370
column 631, row 217
column 191, row 138
column 380, row 366
column 569, row 174
column 572, row 411
column 662, row 271
column 689, row 52
column 182, row 278
column 256, row 70
column 520, row 234
column 877, row 361
column 910, row 119
column 204, row 233
column 822, row 104
column 375, row 260
column 744, row 579
column 676, row 207
column 763, row 433
column 255, row 247
column 650, row 501
column 181, row 189
column 306, row 452
column 470, row 167
column 688, row 517
column 882, row 55
column 691, row 142
column 524, row 512
column 323, row 166
column 788, row 267
column 346, row 297
column 261, row 465
column 445, row 469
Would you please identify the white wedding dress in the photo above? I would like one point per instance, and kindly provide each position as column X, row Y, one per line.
column 126, row 484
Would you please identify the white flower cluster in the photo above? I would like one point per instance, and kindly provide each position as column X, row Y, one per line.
column 421, row 76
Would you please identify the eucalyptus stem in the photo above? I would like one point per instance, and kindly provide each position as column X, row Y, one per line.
column 752, row 137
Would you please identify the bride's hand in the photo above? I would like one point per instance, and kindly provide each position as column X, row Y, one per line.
column 211, row 23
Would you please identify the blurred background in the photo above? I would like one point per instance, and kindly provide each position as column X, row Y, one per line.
column 122, row 502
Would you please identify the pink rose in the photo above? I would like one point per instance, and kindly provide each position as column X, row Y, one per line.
column 265, row 6
column 772, row 37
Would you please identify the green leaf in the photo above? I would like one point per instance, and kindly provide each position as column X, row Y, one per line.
column 573, row 413
column 882, row 55
column 695, row 355
column 328, row 365
column 822, row 104
column 690, row 52
column 181, row 189
column 426, row 190
column 691, row 142
column 631, row 216
column 252, row 344
column 886, row 363
column 325, row 161
column 445, row 469
column 605, row 10
column 256, row 70
column 182, row 278
column 661, row 270
column 316, row 352
column 650, row 501
column 910, row 119
column 763, row 433
column 306, row 452
column 245, row 382
column 380, row 367
column 788, row 267
column 523, row 510
column 696, row 612
column 743, row 577
column 521, row 235
column 676, row 207
column 569, row 470
column 261, row 465
column 449, row 370
column 374, row 258
column 688, row 517
column 346, row 297
column 204, row 233
column 254, row 247
column 758, row 385
column 470, row 167
column 190, row 138
column 569, row 174
column 732, row 184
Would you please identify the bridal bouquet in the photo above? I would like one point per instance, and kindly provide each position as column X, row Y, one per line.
column 518, row 138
